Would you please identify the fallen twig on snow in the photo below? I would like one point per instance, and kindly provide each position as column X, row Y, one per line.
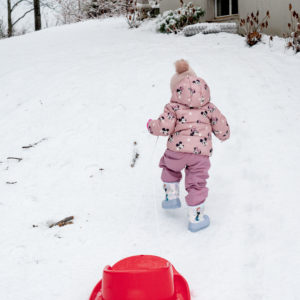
column 136, row 155
column 16, row 158
column 32, row 145
column 63, row 222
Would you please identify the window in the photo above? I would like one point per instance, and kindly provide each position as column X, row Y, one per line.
column 234, row 7
column 226, row 7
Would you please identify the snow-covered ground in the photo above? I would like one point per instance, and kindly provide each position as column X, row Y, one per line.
column 89, row 89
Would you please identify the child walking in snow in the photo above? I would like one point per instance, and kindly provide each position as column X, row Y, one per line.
column 189, row 121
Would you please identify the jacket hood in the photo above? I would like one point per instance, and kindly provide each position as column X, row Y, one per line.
column 191, row 91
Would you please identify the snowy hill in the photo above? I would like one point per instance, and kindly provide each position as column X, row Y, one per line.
column 85, row 92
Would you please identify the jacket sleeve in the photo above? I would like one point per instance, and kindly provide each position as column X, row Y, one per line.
column 165, row 124
column 219, row 123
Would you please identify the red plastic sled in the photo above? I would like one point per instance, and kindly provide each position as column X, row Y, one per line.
column 141, row 277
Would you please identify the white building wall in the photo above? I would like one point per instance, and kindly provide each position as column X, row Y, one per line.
column 279, row 11
column 207, row 5
column 173, row 4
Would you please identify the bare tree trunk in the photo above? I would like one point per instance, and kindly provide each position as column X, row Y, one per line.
column 9, row 20
column 37, row 15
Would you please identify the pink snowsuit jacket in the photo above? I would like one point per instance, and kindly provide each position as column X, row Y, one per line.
column 190, row 118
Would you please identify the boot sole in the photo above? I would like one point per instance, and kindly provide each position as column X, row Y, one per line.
column 194, row 227
column 171, row 204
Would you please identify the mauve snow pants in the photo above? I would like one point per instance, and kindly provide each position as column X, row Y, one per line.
column 196, row 172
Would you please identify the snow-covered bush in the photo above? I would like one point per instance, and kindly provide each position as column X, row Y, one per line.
column 253, row 28
column 136, row 12
column 70, row 11
column 293, row 36
column 154, row 12
column 98, row 8
column 133, row 15
column 174, row 21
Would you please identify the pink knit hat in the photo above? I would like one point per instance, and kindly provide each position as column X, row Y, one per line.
column 182, row 70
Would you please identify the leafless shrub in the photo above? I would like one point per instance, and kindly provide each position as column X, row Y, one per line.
column 70, row 11
column 293, row 35
column 253, row 27
column 133, row 15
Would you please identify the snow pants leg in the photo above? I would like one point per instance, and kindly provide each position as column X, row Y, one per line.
column 196, row 173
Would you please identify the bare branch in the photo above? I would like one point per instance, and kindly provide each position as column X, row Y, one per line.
column 63, row 222
column 32, row 145
column 27, row 12
column 135, row 156
column 16, row 4
column 48, row 5
column 16, row 158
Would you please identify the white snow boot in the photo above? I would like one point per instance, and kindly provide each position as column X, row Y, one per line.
column 172, row 195
column 197, row 219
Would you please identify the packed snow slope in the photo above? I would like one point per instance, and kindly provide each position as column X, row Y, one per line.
column 85, row 93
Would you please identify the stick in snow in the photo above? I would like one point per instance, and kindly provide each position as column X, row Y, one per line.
column 63, row 222
column 32, row 145
column 135, row 155
column 16, row 158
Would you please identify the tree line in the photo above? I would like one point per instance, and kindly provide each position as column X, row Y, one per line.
column 65, row 11
column 35, row 6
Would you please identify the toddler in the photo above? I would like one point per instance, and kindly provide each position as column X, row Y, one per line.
column 189, row 121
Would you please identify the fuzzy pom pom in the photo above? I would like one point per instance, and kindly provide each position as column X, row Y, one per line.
column 181, row 66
